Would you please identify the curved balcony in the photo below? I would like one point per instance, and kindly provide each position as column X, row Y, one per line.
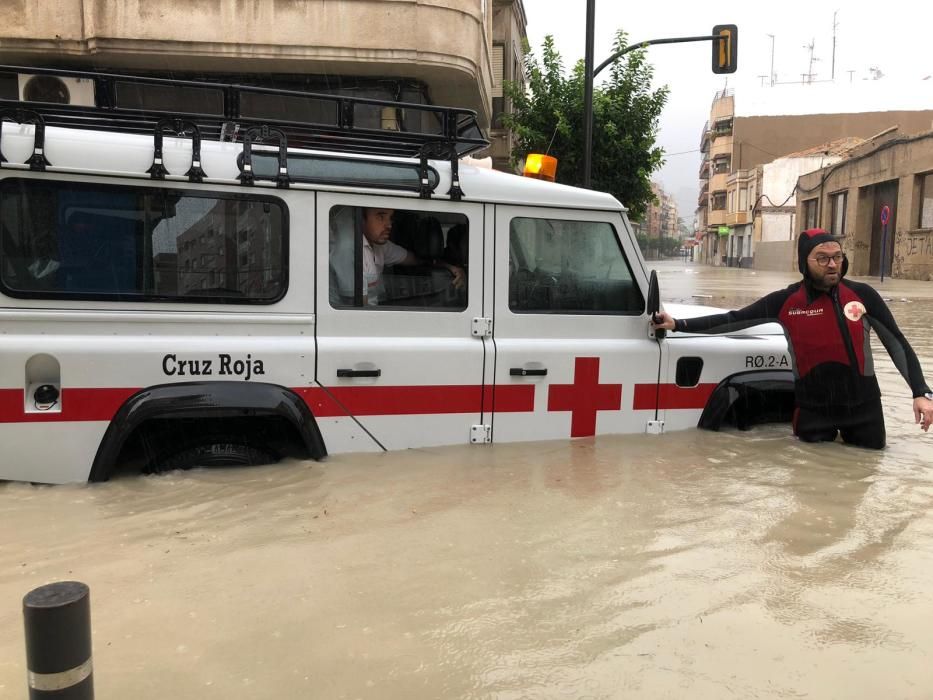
column 299, row 37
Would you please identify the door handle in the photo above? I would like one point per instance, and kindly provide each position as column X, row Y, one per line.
column 522, row 372
column 359, row 372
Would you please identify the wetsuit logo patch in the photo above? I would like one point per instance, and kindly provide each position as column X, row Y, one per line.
column 818, row 311
column 854, row 310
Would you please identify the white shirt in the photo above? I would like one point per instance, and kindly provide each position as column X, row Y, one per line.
column 375, row 259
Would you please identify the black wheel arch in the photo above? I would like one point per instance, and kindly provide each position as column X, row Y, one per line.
column 211, row 400
column 750, row 397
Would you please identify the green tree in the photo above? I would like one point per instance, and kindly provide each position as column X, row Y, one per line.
column 548, row 118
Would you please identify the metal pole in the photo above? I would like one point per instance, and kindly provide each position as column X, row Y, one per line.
column 772, row 59
column 884, row 247
column 588, row 93
column 57, row 618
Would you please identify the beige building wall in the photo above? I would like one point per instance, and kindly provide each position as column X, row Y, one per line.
column 868, row 179
column 447, row 44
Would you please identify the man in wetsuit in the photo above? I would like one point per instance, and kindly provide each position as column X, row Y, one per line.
column 827, row 321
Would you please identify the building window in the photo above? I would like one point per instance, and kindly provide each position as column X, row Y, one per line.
column 743, row 199
column 809, row 214
column 926, row 201
column 718, row 201
column 838, row 202
column 723, row 127
column 721, row 165
column 730, row 199
column 498, row 78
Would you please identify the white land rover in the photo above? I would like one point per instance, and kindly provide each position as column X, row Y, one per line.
column 197, row 289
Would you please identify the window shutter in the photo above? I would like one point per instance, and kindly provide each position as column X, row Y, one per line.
column 497, row 70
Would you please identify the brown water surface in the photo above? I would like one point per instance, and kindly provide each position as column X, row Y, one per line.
column 689, row 565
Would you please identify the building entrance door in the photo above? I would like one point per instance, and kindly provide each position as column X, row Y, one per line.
column 885, row 193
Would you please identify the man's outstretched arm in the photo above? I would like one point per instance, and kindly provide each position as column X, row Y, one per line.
column 764, row 310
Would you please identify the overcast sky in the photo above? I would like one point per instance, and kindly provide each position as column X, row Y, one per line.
column 893, row 36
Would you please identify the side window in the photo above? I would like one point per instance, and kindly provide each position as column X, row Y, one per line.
column 569, row 267
column 398, row 259
column 71, row 240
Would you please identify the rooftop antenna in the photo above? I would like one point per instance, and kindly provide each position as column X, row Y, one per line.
column 835, row 24
column 772, row 60
column 809, row 73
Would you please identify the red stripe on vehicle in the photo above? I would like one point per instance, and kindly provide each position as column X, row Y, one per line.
column 671, row 396
column 510, row 398
column 76, row 405
column 414, row 400
column 102, row 404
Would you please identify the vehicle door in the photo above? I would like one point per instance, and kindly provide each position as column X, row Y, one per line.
column 573, row 354
column 396, row 353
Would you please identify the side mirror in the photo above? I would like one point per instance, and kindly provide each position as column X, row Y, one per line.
column 653, row 304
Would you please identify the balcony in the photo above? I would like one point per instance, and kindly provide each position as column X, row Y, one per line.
column 704, row 169
column 737, row 218
column 722, row 127
column 703, row 199
column 719, row 181
column 298, row 37
column 716, row 217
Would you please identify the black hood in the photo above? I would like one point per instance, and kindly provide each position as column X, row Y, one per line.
column 810, row 239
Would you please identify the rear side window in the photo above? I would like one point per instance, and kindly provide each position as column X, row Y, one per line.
column 569, row 267
column 66, row 240
column 399, row 259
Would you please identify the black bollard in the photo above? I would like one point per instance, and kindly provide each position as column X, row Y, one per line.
column 58, row 641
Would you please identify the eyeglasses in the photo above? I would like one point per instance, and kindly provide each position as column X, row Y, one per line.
column 823, row 260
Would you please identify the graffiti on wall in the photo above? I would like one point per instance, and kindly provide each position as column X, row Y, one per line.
column 913, row 255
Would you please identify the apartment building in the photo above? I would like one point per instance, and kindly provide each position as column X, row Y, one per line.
column 450, row 52
column 508, row 47
column 753, row 129
column 661, row 218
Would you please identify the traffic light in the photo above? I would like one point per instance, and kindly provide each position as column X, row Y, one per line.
column 725, row 50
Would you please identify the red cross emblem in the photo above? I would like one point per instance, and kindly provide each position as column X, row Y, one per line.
column 584, row 397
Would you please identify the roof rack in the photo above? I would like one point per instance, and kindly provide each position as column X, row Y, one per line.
column 230, row 112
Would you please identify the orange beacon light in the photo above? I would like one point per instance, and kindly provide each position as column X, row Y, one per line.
column 541, row 167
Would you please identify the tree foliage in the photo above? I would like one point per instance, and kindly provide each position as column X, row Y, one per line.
column 548, row 118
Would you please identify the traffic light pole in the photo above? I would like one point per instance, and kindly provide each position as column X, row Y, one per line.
column 591, row 74
column 588, row 93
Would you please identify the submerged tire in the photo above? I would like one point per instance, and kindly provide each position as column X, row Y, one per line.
column 219, row 453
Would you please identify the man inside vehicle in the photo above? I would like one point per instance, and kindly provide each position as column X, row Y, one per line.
column 378, row 252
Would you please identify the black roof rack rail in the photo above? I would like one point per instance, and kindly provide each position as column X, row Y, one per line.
column 130, row 104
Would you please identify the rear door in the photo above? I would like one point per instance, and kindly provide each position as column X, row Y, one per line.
column 570, row 330
column 407, row 370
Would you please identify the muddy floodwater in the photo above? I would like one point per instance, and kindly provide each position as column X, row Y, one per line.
column 688, row 565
